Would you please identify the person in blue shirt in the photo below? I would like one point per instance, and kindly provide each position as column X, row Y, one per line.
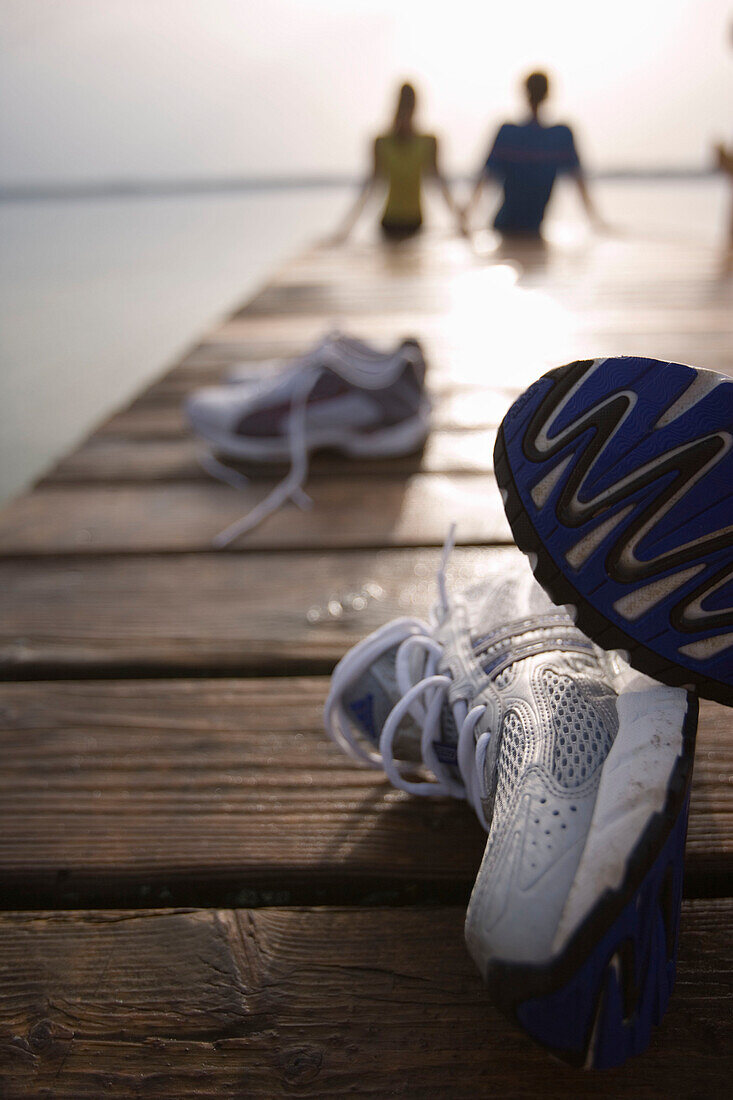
column 526, row 158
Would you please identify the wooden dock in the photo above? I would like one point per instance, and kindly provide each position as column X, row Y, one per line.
column 201, row 896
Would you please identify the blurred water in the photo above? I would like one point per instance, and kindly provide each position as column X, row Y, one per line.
column 97, row 297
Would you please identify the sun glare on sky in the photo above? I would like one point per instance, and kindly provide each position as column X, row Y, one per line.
column 94, row 89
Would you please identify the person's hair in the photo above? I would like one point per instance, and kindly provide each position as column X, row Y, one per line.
column 537, row 87
column 406, row 101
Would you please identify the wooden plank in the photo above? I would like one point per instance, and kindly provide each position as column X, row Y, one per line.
column 360, row 301
column 160, row 414
column 333, row 298
column 209, row 363
column 468, row 367
column 347, row 513
column 224, row 365
column 494, row 339
column 314, row 1003
column 224, row 792
column 322, row 280
column 147, row 615
column 162, row 792
column 448, row 364
column 108, row 459
column 456, row 365
column 527, row 309
column 495, row 322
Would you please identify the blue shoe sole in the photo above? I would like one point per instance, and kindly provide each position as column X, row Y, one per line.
column 617, row 478
column 595, row 1005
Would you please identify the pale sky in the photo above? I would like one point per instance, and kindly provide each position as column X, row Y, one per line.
column 151, row 89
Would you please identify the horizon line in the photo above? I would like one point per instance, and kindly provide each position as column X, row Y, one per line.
column 142, row 188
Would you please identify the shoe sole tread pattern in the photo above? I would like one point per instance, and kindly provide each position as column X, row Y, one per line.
column 595, row 1004
column 592, row 608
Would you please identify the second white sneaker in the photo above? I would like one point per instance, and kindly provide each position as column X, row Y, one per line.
column 343, row 394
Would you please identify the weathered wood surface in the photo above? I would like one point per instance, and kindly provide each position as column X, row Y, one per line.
column 160, row 415
column 224, row 792
column 215, row 791
column 108, row 459
column 453, row 361
column 206, row 790
column 151, row 615
column 347, row 512
column 313, row 1003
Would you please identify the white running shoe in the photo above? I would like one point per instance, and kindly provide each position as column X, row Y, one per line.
column 343, row 395
column 579, row 769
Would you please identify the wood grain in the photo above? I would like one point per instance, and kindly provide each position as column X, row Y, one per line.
column 160, row 415
column 224, row 791
column 314, row 1003
column 347, row 513
column 107, row 459
column 189, row 613
column 454, row 364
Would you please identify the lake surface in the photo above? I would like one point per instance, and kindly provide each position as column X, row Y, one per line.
column 99, row 296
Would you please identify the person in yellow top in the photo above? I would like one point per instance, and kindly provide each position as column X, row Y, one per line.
column 403, row 158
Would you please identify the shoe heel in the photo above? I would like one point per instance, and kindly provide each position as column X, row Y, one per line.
column 605, row 1013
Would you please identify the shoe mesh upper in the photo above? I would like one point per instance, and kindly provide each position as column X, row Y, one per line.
column 516, row 745
column 583, row 733
column 570, row 743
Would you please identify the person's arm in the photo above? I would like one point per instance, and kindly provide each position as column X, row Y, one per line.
column 588, row 205
column 365, row 193
column 574, row 168
column 724, row 163
column 492, row 167
column 435, row 172
column 724, row 159
column 475, row 197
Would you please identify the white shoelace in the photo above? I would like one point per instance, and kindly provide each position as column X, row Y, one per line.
column 309, row 369
column 291, row 485
column 423, row 693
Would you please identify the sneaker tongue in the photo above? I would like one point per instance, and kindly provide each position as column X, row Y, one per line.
column 373, row 695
